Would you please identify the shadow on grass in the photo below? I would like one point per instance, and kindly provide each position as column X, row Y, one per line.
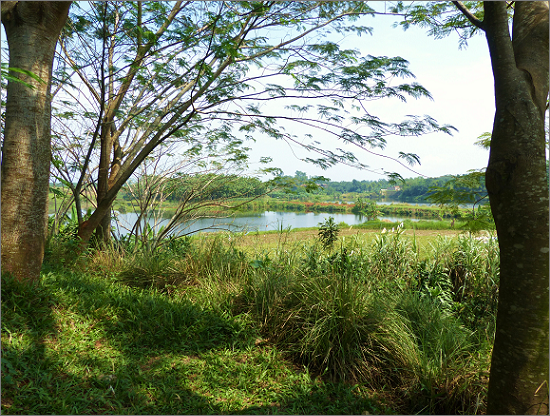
column 76, row 344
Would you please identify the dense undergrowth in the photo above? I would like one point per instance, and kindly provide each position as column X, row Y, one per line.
column 199, row 326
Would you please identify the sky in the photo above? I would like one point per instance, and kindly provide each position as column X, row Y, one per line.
column 461, row 84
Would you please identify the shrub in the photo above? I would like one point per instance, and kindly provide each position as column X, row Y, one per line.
column 157, row 271
column 335, row 327
column 328, row 233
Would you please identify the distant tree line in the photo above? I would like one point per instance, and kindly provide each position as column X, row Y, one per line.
column 304, row 187
column 412, row 190
column 211, row 186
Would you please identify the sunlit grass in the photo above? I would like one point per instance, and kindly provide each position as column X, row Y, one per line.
column 82, row 345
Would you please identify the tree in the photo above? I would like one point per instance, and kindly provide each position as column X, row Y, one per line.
column 517, row 186
column 209, row 193
column 367, row 208
column 465, row 189
column 192, row 72
column 32, row 30
column 328, row 233
column 518, row 191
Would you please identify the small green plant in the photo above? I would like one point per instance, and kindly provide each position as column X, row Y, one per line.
column 328, row 233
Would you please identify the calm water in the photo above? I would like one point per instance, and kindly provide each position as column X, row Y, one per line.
column 267, row 221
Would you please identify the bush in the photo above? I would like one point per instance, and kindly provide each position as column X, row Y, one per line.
column 328, row 233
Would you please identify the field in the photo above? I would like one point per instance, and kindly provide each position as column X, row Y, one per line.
column 255, row 241
column 268, row 323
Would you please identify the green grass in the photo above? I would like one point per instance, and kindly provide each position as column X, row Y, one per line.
column 80, row 344
column 412, row 225
column 205, row 328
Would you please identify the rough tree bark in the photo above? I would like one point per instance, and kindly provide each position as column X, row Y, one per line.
column 32, row 30
column 518, row 192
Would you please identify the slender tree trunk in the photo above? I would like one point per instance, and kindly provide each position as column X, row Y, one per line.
column 104, row 228
column 110, row 169
column 32, row 30
column 518, row 192
column 107, row 168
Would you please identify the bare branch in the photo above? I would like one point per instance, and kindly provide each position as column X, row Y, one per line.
column 469, row 15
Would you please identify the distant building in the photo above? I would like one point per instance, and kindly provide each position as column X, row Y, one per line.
column 391, row 188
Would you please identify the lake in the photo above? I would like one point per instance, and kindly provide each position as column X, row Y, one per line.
column 266, row 221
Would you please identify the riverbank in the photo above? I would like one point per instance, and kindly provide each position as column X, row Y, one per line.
column 244, row 207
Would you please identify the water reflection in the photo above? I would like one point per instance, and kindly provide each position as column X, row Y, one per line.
column 266, row 221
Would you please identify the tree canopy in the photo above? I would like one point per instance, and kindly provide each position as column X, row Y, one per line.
column 198, row 73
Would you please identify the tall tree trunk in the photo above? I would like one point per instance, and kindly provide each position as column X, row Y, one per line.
column 518, row 192
column 108, row 130
column 32, row 30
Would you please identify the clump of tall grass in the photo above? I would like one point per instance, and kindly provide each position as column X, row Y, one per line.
column 392, row 257
column 218, row 258
column 447, row 379
column 157, row 271
column 474, row 266
column 214, row 264
column 326, row 322
column 470, row 267
column 221, row 271
column 162, row 269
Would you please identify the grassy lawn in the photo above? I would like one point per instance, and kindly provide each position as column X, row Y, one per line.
column 81, row 344
column 270, row 240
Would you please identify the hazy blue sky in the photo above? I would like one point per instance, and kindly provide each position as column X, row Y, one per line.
column 461, row 85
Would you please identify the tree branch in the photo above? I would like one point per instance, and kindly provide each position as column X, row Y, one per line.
column 469, row 15
column 503, row 61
